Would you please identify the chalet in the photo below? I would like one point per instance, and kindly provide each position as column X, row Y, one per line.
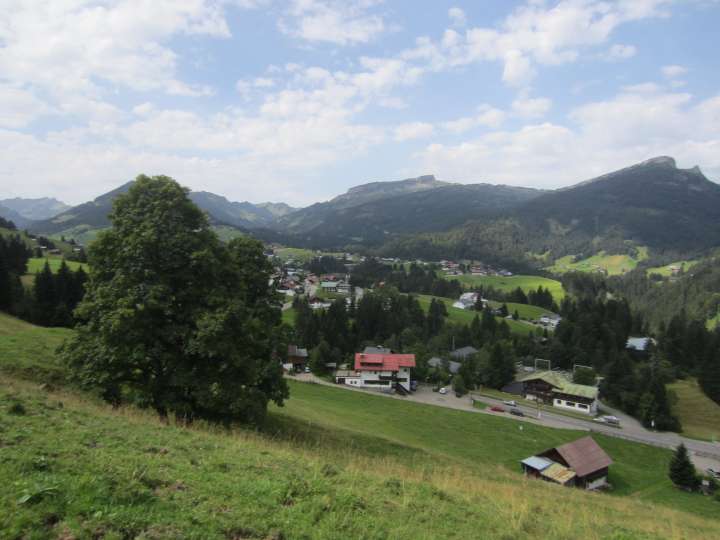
column 550, row 320
column 552, row 388
column 379, row 371
column 639, row 345
column 580, row 463
column 296, row 360
column 468, row 301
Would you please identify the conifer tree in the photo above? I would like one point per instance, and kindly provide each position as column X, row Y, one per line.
column 682, row 471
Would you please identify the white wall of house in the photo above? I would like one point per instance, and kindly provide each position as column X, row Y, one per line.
column 598, row 483
column 575, row 406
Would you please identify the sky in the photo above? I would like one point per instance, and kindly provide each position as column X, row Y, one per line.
column 298, row 100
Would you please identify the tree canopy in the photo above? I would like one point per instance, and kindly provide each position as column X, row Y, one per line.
column 175, row 320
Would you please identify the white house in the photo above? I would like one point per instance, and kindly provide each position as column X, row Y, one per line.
column 379, row 371
column 468, row 301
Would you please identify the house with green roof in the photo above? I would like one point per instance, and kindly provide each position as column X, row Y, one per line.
column 555, row 389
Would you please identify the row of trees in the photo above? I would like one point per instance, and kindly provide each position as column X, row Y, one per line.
column 55, row 296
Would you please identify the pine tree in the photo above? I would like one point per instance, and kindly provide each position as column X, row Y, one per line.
column 682, row 471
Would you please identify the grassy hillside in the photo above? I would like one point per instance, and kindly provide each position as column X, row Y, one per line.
column 667, row 270
column 330, row 464
column 507, row 284
column 36, row 264
column 699, row 415
column 466, row 316
column 612, row 265
column 525, row 311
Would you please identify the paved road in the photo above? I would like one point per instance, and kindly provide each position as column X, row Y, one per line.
column 703, row 454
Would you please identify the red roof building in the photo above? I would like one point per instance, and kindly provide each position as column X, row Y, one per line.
column 383, row 362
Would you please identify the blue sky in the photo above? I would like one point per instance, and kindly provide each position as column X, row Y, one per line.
column 299, row 100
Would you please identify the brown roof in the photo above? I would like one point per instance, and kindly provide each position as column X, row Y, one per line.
column 584, row 456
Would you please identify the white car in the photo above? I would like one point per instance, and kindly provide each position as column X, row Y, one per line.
column 511, row 402
column 443, row 390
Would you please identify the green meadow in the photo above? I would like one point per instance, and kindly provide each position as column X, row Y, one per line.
column 612, row 265
column 331, row 463
column 507, row 284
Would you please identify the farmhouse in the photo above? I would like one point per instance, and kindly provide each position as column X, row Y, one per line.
column 580, row 463
column 468, row 301
column 553, row 388
column 381, row 371
column 296, row 360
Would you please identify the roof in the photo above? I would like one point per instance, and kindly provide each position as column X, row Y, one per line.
column 347, row 373
column 463, row 352
column 377, row 350
column 584, row 456
column 558, row 473
column 294, row 350
column 638, row 343
column 562, row 384
column 383, row 362
column 537, row 463
column 329, row 284
column 454, row 367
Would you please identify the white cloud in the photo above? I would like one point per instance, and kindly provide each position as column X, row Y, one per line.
column 601, row 137
column 334, row 21
column 531, row 107
column 487, row 116
column 457, row 16
column 673, row 71
column 71, row 46
column 18, row 107
column 619, row 52
column 413, row 130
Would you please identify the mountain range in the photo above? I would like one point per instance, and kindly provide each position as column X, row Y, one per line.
column 653, row 204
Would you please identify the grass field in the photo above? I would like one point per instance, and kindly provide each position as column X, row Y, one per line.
column 330, row 464
column 613, row 265
column 466, row 316
column 302, row 255
column 288, row 316
column 525, row 311
column 36, row 264
column 666, row 271
column 699, row 415
column 507, row 284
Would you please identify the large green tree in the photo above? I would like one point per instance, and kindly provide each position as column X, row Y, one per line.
column 175, row 320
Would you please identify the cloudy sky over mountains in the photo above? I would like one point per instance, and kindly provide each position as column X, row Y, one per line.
column 298, row 100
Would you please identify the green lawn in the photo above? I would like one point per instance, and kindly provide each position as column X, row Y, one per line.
column 330, row 464
column 525, row 311
column 479, row 442
column 613, row 265
column 699, row 415
column 36, row 264
column 507, row 284
column 288, row 316
column 466, row 316
column 666, row 271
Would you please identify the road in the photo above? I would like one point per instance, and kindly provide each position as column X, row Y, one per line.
column 703, row 454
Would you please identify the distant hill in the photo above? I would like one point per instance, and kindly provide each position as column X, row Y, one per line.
column 35, row 209
column 240, row 214
column 652, row 204
column 369, row 213
column 11, row 215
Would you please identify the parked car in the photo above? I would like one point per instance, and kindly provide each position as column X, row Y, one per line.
column 511, row 403
column 497, row 408
column 614, row 420
column 517, row 412
column 307, row 369
column 413, row 385
column 443, row 390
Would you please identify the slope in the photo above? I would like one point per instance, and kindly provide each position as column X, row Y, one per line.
column 332, row 463
column 35, row 209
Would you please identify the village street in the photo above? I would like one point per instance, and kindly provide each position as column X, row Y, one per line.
column 703, row 454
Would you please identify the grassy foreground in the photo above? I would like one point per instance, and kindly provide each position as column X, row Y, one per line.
column 699, row 415
column 330, row 464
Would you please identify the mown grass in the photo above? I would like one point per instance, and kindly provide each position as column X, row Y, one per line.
column 36, row 264
column 466, row 316
column 507, row 284
column 332, row 463
column 525, row 311
column 288, row 316
column 699, row 415
column 613, row 265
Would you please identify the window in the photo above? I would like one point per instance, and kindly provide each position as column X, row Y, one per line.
column 582, row 406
